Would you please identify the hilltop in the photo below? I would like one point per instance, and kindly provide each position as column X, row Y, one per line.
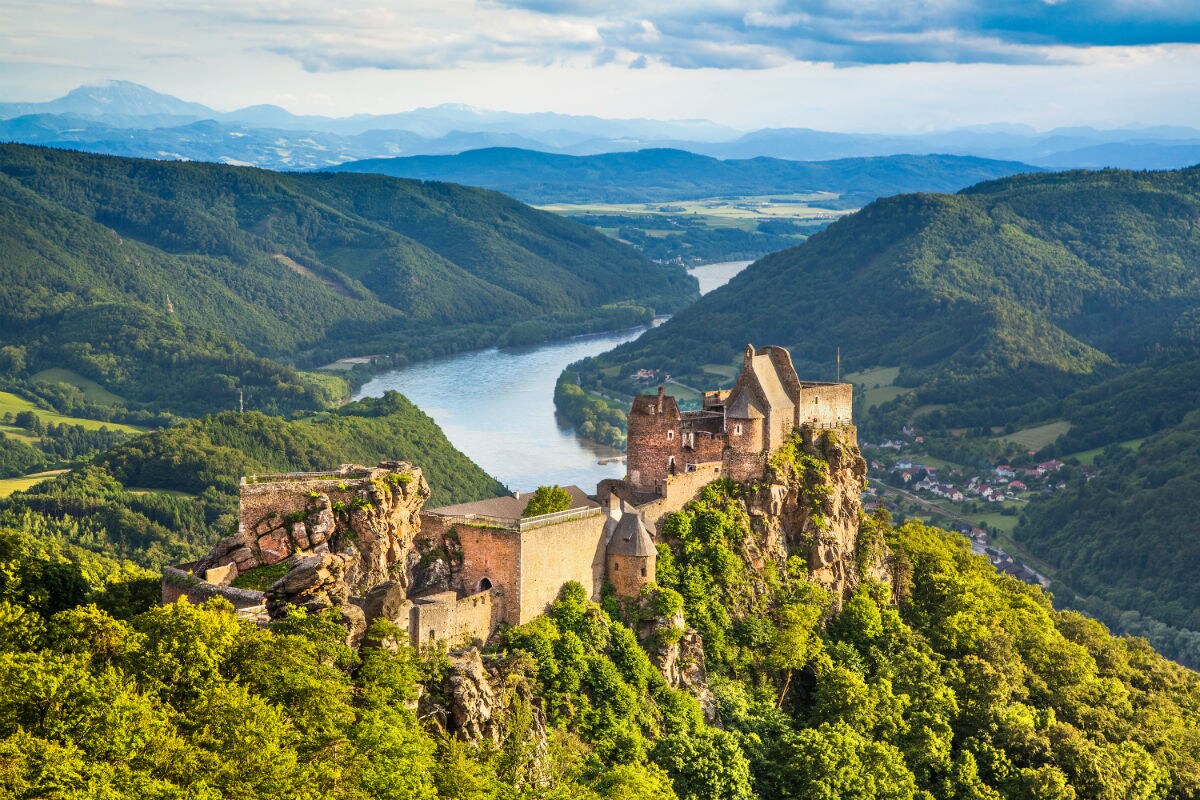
column 1063, row 303
column 998, row 299
column 174, row 284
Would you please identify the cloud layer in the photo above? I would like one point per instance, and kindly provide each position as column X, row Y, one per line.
column 721, row 34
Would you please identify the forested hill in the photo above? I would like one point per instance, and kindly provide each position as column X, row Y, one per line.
column 169, row 283
column 664, row 174
column 997, row 299
column 166, row 497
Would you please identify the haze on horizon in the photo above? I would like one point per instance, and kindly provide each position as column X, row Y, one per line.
column 898, row 66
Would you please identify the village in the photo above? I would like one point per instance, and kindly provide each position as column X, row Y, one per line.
column 982, row 502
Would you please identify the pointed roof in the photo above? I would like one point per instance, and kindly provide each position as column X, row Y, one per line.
column 631, row 538
column 744, row 407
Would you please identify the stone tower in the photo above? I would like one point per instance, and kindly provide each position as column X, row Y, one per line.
column 630, row 555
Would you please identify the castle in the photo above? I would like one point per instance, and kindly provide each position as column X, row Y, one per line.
column 454, row 574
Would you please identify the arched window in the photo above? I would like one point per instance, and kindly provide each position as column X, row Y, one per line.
column 485, row 584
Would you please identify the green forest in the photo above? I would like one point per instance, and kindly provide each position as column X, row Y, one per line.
column 176, row 285
column 969, row 685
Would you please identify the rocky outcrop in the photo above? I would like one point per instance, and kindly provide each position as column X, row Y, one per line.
column 678, row 653
column 481, row 703
column 810, row 505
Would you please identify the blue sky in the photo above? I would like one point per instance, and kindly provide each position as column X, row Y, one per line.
column 881, row 65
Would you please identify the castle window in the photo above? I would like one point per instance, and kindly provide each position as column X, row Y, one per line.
column 816, row 400
column 689, row 468
column 432, row 634
column 616, row 566
column 643, row 572
column 737, row 430
column 670, row 435
column 485, row 584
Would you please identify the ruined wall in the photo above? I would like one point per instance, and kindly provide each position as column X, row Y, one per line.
column 491, row 553
column 477, row 616
column 555, row 554
column 443, row 617
column 745, row 458
column 177, row 582
column 826, row 404
column 370, row 514
column 679, row 490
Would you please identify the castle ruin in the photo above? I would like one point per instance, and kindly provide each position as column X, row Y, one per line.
column 360, row 540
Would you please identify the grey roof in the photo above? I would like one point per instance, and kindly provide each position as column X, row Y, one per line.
column 631, row 538
column 744, row 407
column 772, row 385
column 509, row 507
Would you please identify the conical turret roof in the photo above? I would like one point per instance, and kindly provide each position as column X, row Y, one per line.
column 631, row 538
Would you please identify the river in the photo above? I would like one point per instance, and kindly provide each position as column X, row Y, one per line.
column 497, row 405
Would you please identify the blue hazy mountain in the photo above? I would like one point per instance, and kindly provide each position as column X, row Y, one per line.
column 152, row 124
column 665, row 174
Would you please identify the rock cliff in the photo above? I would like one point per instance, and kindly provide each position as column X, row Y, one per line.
column 809, row 505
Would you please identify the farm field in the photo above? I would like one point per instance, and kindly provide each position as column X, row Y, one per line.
column 92, row 391
column 879, row 384
column 1039, row 436
column 10, row 402
column 718, row 210
column 20, row 484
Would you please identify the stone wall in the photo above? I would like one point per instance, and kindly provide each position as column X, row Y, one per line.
column 371, row 514
column 555, row 554
column 178, row 582
column 826, row 404
column 678, row 491
column 443, row 617
column 487, row 553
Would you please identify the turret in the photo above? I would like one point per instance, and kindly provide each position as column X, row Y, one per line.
column 631, row 555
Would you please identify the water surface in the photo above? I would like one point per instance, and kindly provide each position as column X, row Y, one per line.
column 497, row 406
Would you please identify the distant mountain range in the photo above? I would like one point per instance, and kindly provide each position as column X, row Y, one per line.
column 122, row 118
column 665, row 174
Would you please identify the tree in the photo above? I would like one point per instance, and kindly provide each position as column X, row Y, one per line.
column 547, row 500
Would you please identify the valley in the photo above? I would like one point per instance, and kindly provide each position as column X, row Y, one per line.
column 599, row 401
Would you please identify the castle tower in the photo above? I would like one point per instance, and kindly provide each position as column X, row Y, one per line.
column 630, row 556
column 654, row 446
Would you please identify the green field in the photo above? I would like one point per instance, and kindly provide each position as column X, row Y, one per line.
column 996, row 522
column 10, row 485
column 717, row 211
column 1038, row 437
column 10, row 402
column 877, row 384
column 724, row 370
column 876, row 376
column 1088, row 457
column 92, row 391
